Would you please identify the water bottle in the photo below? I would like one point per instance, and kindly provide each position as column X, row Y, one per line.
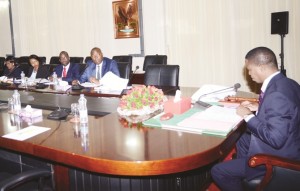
column 22, row 78
column 84, row 134
column 83, row 112
column 55, row 80
column 17, row 102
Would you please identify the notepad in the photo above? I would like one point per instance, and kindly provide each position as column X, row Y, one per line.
column 26, row 133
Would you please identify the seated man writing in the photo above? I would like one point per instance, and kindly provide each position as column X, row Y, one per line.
column 97, row 68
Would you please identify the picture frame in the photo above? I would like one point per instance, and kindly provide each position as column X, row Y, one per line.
column 126, row 19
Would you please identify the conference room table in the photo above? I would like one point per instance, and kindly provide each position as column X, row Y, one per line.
column 128, row 156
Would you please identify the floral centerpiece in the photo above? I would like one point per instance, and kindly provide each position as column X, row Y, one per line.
column 141, row 103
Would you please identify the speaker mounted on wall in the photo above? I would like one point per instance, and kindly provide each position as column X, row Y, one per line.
column 280, row 23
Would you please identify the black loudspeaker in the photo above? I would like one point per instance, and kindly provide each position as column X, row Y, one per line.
column 280, row 23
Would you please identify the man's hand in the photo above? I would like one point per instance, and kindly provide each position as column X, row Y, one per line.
column 253, row 106
column 75, row 82
column 243, row 111
column 94, row 80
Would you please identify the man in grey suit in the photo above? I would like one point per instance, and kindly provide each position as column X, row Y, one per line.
column 98, row 67
column 273, row 129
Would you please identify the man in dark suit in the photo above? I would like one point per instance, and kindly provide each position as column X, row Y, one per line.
column 273, row 129
column 98, row 67
column 66, row 71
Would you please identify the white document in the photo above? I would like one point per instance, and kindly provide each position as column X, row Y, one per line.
column 214, row 119
column 26, row 133
column 206, row 93
column 89, row 85
column 113, row 82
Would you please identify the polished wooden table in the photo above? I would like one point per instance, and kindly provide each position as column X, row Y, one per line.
column 112, row 148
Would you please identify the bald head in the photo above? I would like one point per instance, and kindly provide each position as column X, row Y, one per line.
column 261, row 63
column 262, row 56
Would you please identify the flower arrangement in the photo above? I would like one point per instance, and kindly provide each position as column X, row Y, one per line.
column 140, row 101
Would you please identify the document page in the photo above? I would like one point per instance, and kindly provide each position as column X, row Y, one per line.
column 215, row 119
column 26, row 133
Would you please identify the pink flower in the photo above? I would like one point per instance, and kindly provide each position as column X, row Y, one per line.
column 140, row 96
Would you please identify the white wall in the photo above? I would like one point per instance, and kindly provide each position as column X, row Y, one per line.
column 207, row 38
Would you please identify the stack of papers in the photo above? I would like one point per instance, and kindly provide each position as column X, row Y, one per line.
column 114, row 82
column 214, row 120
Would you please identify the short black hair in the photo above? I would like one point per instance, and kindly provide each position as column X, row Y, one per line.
column 11, row 59
column 262, row 55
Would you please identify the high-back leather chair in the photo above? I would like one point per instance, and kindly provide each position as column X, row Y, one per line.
column 22, row 59
column 82, row 67
column 25, row 68
column 54, row 60
column 124, row 64
column 281, row 174
column 2, row 60
column 29, row 179
column 76, row 59
column 88, row 58
column 154, row 59
column 43, row 59
column 162, row 75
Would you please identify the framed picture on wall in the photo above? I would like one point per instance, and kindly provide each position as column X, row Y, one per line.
column 126, row 18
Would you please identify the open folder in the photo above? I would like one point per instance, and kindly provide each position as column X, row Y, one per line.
column 213, row 120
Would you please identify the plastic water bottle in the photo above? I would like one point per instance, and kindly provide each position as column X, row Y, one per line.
column 55, row 80
column 17, row 102
column 22, row 78
column 83, row 112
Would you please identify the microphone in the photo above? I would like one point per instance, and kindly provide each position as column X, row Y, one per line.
column 235, row 87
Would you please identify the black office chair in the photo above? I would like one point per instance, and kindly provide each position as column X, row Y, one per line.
column 154, row 59
column 43, row 59
column 51, row 68
column 162, row 75
column 25, row 68
column 76, row 59
column 2, row 60
column 82, row 67
column 124, row 64
column 29, row 179
column 54, row 60
column 23, row 59
column 88, row 58
column 281, row 174
column 124, row 69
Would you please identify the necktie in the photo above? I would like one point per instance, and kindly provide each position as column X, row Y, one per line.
column 64, row 72
column 261, row 96
column 98, row 73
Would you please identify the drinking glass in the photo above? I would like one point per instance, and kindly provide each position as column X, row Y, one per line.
column 75, row 112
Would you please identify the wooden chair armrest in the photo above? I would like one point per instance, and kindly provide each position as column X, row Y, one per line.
column 264, row 159
column 269, row 161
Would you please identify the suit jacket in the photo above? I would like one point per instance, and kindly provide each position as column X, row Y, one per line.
column 276, row 128
column 15, row 73
column 43, row 71
column 72, row 74
column 108, row 65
